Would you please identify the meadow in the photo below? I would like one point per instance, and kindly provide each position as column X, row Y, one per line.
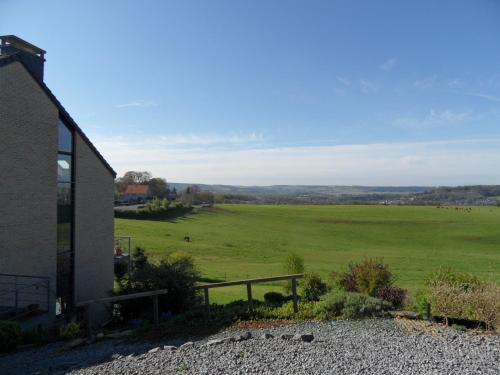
column 232, row 242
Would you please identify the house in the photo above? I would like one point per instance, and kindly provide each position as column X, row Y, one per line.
column 136, row 193
column 56, row 198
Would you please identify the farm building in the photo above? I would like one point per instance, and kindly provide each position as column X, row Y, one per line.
column 56, row 212
column 136, row 193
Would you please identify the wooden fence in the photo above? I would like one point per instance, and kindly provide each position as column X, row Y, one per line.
column 87, row 305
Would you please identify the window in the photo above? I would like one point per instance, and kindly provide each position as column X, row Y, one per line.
column 65, row 251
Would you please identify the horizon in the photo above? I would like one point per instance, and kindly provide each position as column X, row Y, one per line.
column 319, row 93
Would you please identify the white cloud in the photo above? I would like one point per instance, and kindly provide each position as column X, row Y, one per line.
column 485, row 96
column 426, row 83
column 388, row 64
column 344, row 81
column 185, row 140
column 448, row 162
column 368, row 87
column 456, row 83
column 137, row 103
column 434, row 118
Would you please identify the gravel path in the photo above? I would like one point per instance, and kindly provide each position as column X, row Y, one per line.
column 366, row 347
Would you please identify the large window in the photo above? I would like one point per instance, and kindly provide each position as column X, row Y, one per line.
column 65, row 253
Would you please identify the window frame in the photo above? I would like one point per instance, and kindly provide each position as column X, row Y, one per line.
column 67, row 305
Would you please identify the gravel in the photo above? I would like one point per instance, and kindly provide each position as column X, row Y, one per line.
column 375, row 346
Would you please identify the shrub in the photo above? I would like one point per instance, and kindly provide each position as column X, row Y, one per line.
column 351, row 305
column 292, row 264
column 420, row 302
column 368, row 277
column 313, row 287
column 460, row 295
column 176, row 273
column 70, row 330
column 10, row 335
column 333, row 304
column 274, row 298
column 449, row 300
column 396, row 296
column 448, row 276
column 360, row 305
column 486, row 305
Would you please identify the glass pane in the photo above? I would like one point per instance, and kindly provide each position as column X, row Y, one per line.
column 65, row 138
column 64, row 217
column 63, row 168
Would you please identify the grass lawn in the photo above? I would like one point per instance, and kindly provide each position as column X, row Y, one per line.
column 231, row 242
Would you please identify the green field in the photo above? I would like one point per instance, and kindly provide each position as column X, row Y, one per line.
column 231, row 242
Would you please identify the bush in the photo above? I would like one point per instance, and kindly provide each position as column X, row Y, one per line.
column 486, row 305
column 313, row 287
column 10, row 335
column 448, row 276
column 333, row 304
column 420, row 302
column 70, row 330
column 176, row 273
column 292, row 264
column 274, row 298
column 367, row 277
column 396, row 296
column 351, row 305
column 360, row 305
column 460, row 295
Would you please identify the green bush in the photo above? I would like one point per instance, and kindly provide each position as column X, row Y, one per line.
column 420, row 301
column 367, row 277
column 176, row 273
column 333, row 304
column 351, row 306
column 313, row 287
column 292, row 264
column 70, row 330
column 451, row 277
column 360, row 305
column 10, row 335
column 274, row 298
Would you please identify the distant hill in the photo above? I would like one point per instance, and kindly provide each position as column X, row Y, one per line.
column 299, row 190
column 316, row 194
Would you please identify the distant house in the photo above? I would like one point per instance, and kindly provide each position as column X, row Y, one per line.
column 136, row 194
column 56, row 213
column 172, row 195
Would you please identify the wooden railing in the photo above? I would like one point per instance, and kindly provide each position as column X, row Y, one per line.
column 87, row 305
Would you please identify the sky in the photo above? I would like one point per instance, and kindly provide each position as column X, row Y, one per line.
column 278, row 92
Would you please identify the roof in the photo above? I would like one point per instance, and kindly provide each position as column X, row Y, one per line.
column 137, row 189
column 18, row 42
column 7, row 59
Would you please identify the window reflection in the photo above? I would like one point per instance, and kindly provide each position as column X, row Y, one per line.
column 65, row 179
column 65, row 138
column 64, row 168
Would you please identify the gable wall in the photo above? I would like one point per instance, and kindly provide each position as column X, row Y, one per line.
column 28, row 176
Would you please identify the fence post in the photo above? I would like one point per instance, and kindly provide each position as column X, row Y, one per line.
column 249, row 294
column 155, row 311
column 294, row 296
column 428, row 312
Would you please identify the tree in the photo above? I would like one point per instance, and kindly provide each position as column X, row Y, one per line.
column 158, row 187
column 132, row 178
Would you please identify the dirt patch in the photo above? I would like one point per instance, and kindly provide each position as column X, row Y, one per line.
column 260, row 324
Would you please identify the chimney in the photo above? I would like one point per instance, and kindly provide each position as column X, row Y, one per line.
column 30, row 55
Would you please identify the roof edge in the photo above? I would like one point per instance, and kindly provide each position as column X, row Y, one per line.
column 62, row 111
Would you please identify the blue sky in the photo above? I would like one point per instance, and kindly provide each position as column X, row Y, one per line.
column 278, row 92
